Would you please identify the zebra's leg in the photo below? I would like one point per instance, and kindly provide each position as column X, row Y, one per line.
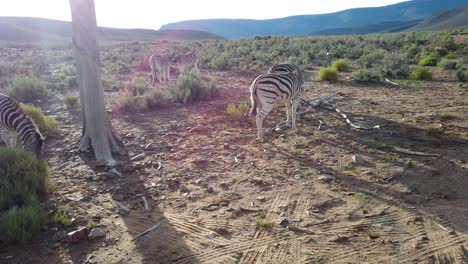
column 295, row 104
column 169, row 74
column 261, row 114
column 288, row 113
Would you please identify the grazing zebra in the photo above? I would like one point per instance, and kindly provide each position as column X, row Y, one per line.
column 269, row 90
column 184, row 61
column 285, row 68
column 162, row 64
column 14, row 123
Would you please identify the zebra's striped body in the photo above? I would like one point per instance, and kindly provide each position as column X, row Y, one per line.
column 270, row 90
column 14, row 123
column 285, row 68
column 187, row 60
column 162, row 65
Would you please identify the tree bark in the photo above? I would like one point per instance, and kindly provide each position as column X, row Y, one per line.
column 98, row 132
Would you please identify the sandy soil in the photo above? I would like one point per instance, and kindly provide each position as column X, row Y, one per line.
column 208, row 182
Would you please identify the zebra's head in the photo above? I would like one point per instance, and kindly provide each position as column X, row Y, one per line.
column 35, row 144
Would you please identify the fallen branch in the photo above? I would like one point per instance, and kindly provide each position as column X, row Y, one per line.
column 392, row 83
column 147, row 231
column 415, row 153
column 250, row 210
column 145, row 203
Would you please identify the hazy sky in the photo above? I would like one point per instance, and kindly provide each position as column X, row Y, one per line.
column 154, row 13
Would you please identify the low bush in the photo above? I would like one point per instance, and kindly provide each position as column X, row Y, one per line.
column 46, row 124
column 428, row 61
column 127, row 102
column 396, row 67
column 23, row 177
column 341, row 65
column 461, row 75
column 421, row 74
column 238, row 111
column 71, row 101
column 189, row 87
column 448, row 64
column 328, row 74
column 366, row 76
column 27, row 88
column 451, row 56
column 21, row 223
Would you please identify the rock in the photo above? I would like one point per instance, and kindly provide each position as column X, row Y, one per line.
column 358, row 160
column 183, row 189
column 61, row 235
column 212, row 235
column 74, row 197
column 138, row 157
column 339, row 239
column 78, row 235
column 209, row 190
column 261, row 198
column 95, row 233
column 326, row 178
column 200, row 162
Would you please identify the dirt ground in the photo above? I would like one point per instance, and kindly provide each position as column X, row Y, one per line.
column 210, row 184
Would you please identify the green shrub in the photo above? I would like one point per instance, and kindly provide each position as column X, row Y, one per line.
column 221, row 62
column 158, row 98
column 412, row 51
column 441, row 51
column 127, row 102
column 341, row 65
column 189, row 87
column 461, row 75
column 46, row 124
column 61, row 216
column 71, row 101
column 328, row 74
column 23, row 176
column 428, row 61
column 366, row 76
column 451, row 56
column 136, row 86
column 21, row 224
column 28, row 88
column 396, row 67
column 421, row 74
column 239, row 110
column 448, row 64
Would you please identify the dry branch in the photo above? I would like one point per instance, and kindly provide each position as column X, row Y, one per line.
column 147, row 231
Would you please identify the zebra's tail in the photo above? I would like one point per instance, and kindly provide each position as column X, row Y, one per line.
column 253, row 98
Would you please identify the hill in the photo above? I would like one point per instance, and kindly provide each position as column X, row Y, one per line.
column 450, row 19
column 47, row 30
column 385, row 27
column 305, row 24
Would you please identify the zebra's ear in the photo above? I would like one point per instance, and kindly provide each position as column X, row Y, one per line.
column 44, row 137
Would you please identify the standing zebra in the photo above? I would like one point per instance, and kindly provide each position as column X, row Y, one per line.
column 14, row 123
column 285, row 68
column 187, row 60
column 162, row 64
column 267, row 91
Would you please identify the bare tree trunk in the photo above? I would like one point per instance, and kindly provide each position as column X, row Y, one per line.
column 98, row 132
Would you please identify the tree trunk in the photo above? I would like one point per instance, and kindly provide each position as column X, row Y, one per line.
column 98, row 132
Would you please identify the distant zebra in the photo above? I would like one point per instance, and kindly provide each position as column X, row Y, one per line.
column 285, row 68
column 187, row 60
column 268, row 91
column 161, row 64
column 14, row 123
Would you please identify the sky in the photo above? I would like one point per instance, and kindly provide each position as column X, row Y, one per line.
column 152, row 14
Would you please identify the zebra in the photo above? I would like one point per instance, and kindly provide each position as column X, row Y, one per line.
column 14, row 123
column 162, row 64
column 285, row 68
column 269, row 90
column 184, row 61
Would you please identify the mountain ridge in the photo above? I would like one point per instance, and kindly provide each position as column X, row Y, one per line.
column 305, row 24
